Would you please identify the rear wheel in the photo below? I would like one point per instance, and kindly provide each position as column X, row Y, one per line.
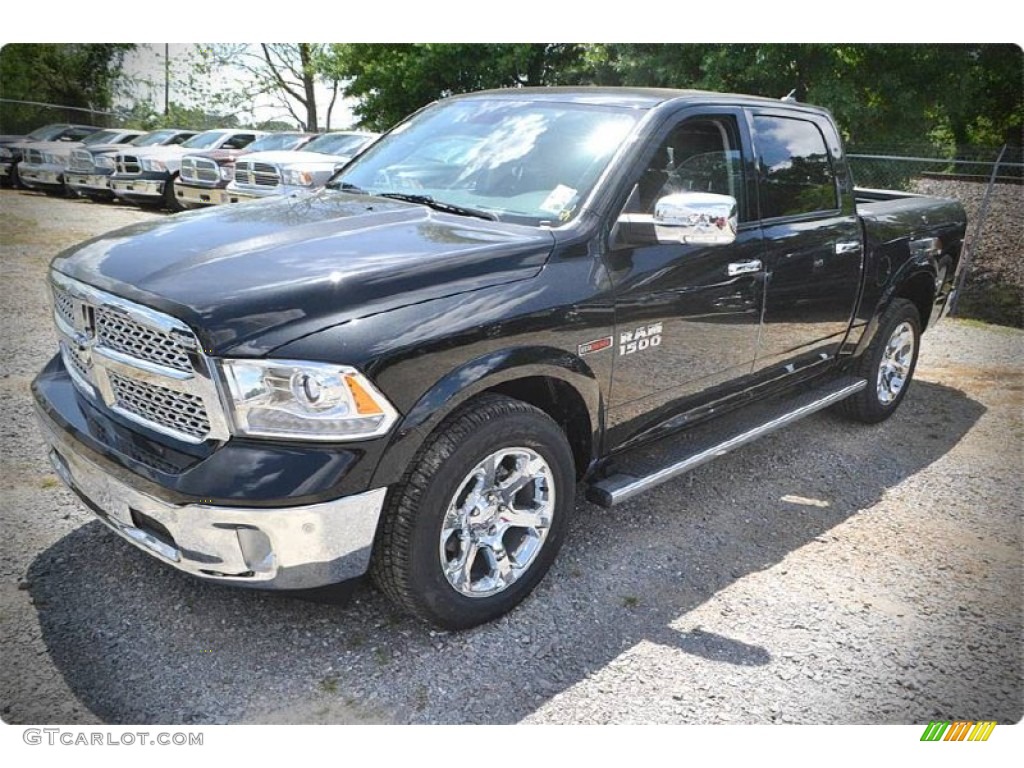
column 888, row 365
column 478, row 519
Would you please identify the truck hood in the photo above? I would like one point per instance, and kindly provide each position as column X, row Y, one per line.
column 249, row 278
column 175, row 151
column 99, row 149
column 292, row 157
column 219, row 156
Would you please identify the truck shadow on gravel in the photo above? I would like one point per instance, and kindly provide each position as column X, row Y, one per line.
column 140, row 643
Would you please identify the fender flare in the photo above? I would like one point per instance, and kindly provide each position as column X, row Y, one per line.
column 912, row 269
column 475, row 377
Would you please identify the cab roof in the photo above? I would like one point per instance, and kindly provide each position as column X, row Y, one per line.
column 629, row 98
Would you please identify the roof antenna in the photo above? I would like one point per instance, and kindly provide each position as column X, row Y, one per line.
column 789, row 97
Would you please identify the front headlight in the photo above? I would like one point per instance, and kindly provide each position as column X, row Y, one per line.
column 297, row 177
column 304, row 400
column 153, row 165
column 227, row 172
column 50, row 158
column 105, row 162
column 5, row 153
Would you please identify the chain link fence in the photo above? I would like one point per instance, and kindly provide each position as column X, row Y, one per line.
column 989, row 183
column 21, row 117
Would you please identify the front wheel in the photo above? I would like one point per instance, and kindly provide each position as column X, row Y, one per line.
column 888, row 365
column 477, row 521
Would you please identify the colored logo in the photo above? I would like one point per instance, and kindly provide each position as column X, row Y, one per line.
column 958, row 730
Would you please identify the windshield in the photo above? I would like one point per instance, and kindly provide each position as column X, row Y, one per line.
column 206, row 140
column 531, row 162
column 338, row 143
column 102, row 137
column 47, row 133
column 152, row 139
column 275, row 141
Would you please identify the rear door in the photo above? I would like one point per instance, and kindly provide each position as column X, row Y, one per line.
column 812, row 237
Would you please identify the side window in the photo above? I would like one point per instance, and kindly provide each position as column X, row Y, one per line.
column 796, row 175
column 699, row 155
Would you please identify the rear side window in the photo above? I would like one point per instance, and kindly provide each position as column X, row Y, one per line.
column 796, row 175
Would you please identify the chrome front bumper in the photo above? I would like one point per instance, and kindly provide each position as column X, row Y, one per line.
column 137, row 188
column 36, row 174
column 293, row 548
column 199, row 195
column 236, row 194
column 89, row 181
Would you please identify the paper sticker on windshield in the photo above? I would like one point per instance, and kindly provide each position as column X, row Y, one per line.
column 560, row 199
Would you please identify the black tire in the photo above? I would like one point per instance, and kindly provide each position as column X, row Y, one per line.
column 877, row 401
column 408, row 560
column 170, row 199
column 16, row 177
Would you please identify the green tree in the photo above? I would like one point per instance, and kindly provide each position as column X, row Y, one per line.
column 288, row 73
column 83, row 75
column 391, row 81
column 882, row 95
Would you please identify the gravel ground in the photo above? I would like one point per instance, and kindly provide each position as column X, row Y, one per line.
column 831, row 573
column 994, row 289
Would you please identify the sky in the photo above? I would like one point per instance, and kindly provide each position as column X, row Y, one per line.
column 145, row 65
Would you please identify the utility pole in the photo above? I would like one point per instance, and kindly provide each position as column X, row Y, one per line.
column 167, row 78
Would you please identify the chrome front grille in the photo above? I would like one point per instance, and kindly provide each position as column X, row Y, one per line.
column 118, row 331
column 76, row 365
column 129, row 164
column 64, row 305
column 199, row 170
column 179, row 411
column 34, row 156
column 142, row 364
column 255, row 174
column 81, row 161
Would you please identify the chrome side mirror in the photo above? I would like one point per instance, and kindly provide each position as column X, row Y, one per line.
column 699, row 218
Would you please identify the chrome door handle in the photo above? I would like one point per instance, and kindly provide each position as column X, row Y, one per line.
column 745, row 267
column 843, row 248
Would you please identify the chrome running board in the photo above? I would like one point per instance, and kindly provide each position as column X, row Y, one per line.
column 632, row 475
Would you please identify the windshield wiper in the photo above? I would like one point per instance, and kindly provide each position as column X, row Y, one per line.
column 437, row 205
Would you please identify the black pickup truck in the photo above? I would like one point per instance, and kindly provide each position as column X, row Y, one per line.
column 511, row 296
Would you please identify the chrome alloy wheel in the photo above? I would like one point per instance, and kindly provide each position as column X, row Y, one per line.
column 894, row 367
column 496, row 523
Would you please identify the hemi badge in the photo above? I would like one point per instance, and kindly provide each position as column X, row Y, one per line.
column 594, row 346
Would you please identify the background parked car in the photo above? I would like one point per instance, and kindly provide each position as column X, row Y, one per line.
column 44, row 164
column 91, row 166
column 145, row 176
column 262, row 174
column 12, row 147
column 205, row 175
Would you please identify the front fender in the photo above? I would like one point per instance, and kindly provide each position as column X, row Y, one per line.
column 480, row 375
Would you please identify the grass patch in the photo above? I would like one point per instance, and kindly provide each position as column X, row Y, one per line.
column 630, row 601
column 329, row 685
column 49, row 482
column 992, row 303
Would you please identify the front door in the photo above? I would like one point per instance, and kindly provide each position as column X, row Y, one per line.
column 687, row 316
